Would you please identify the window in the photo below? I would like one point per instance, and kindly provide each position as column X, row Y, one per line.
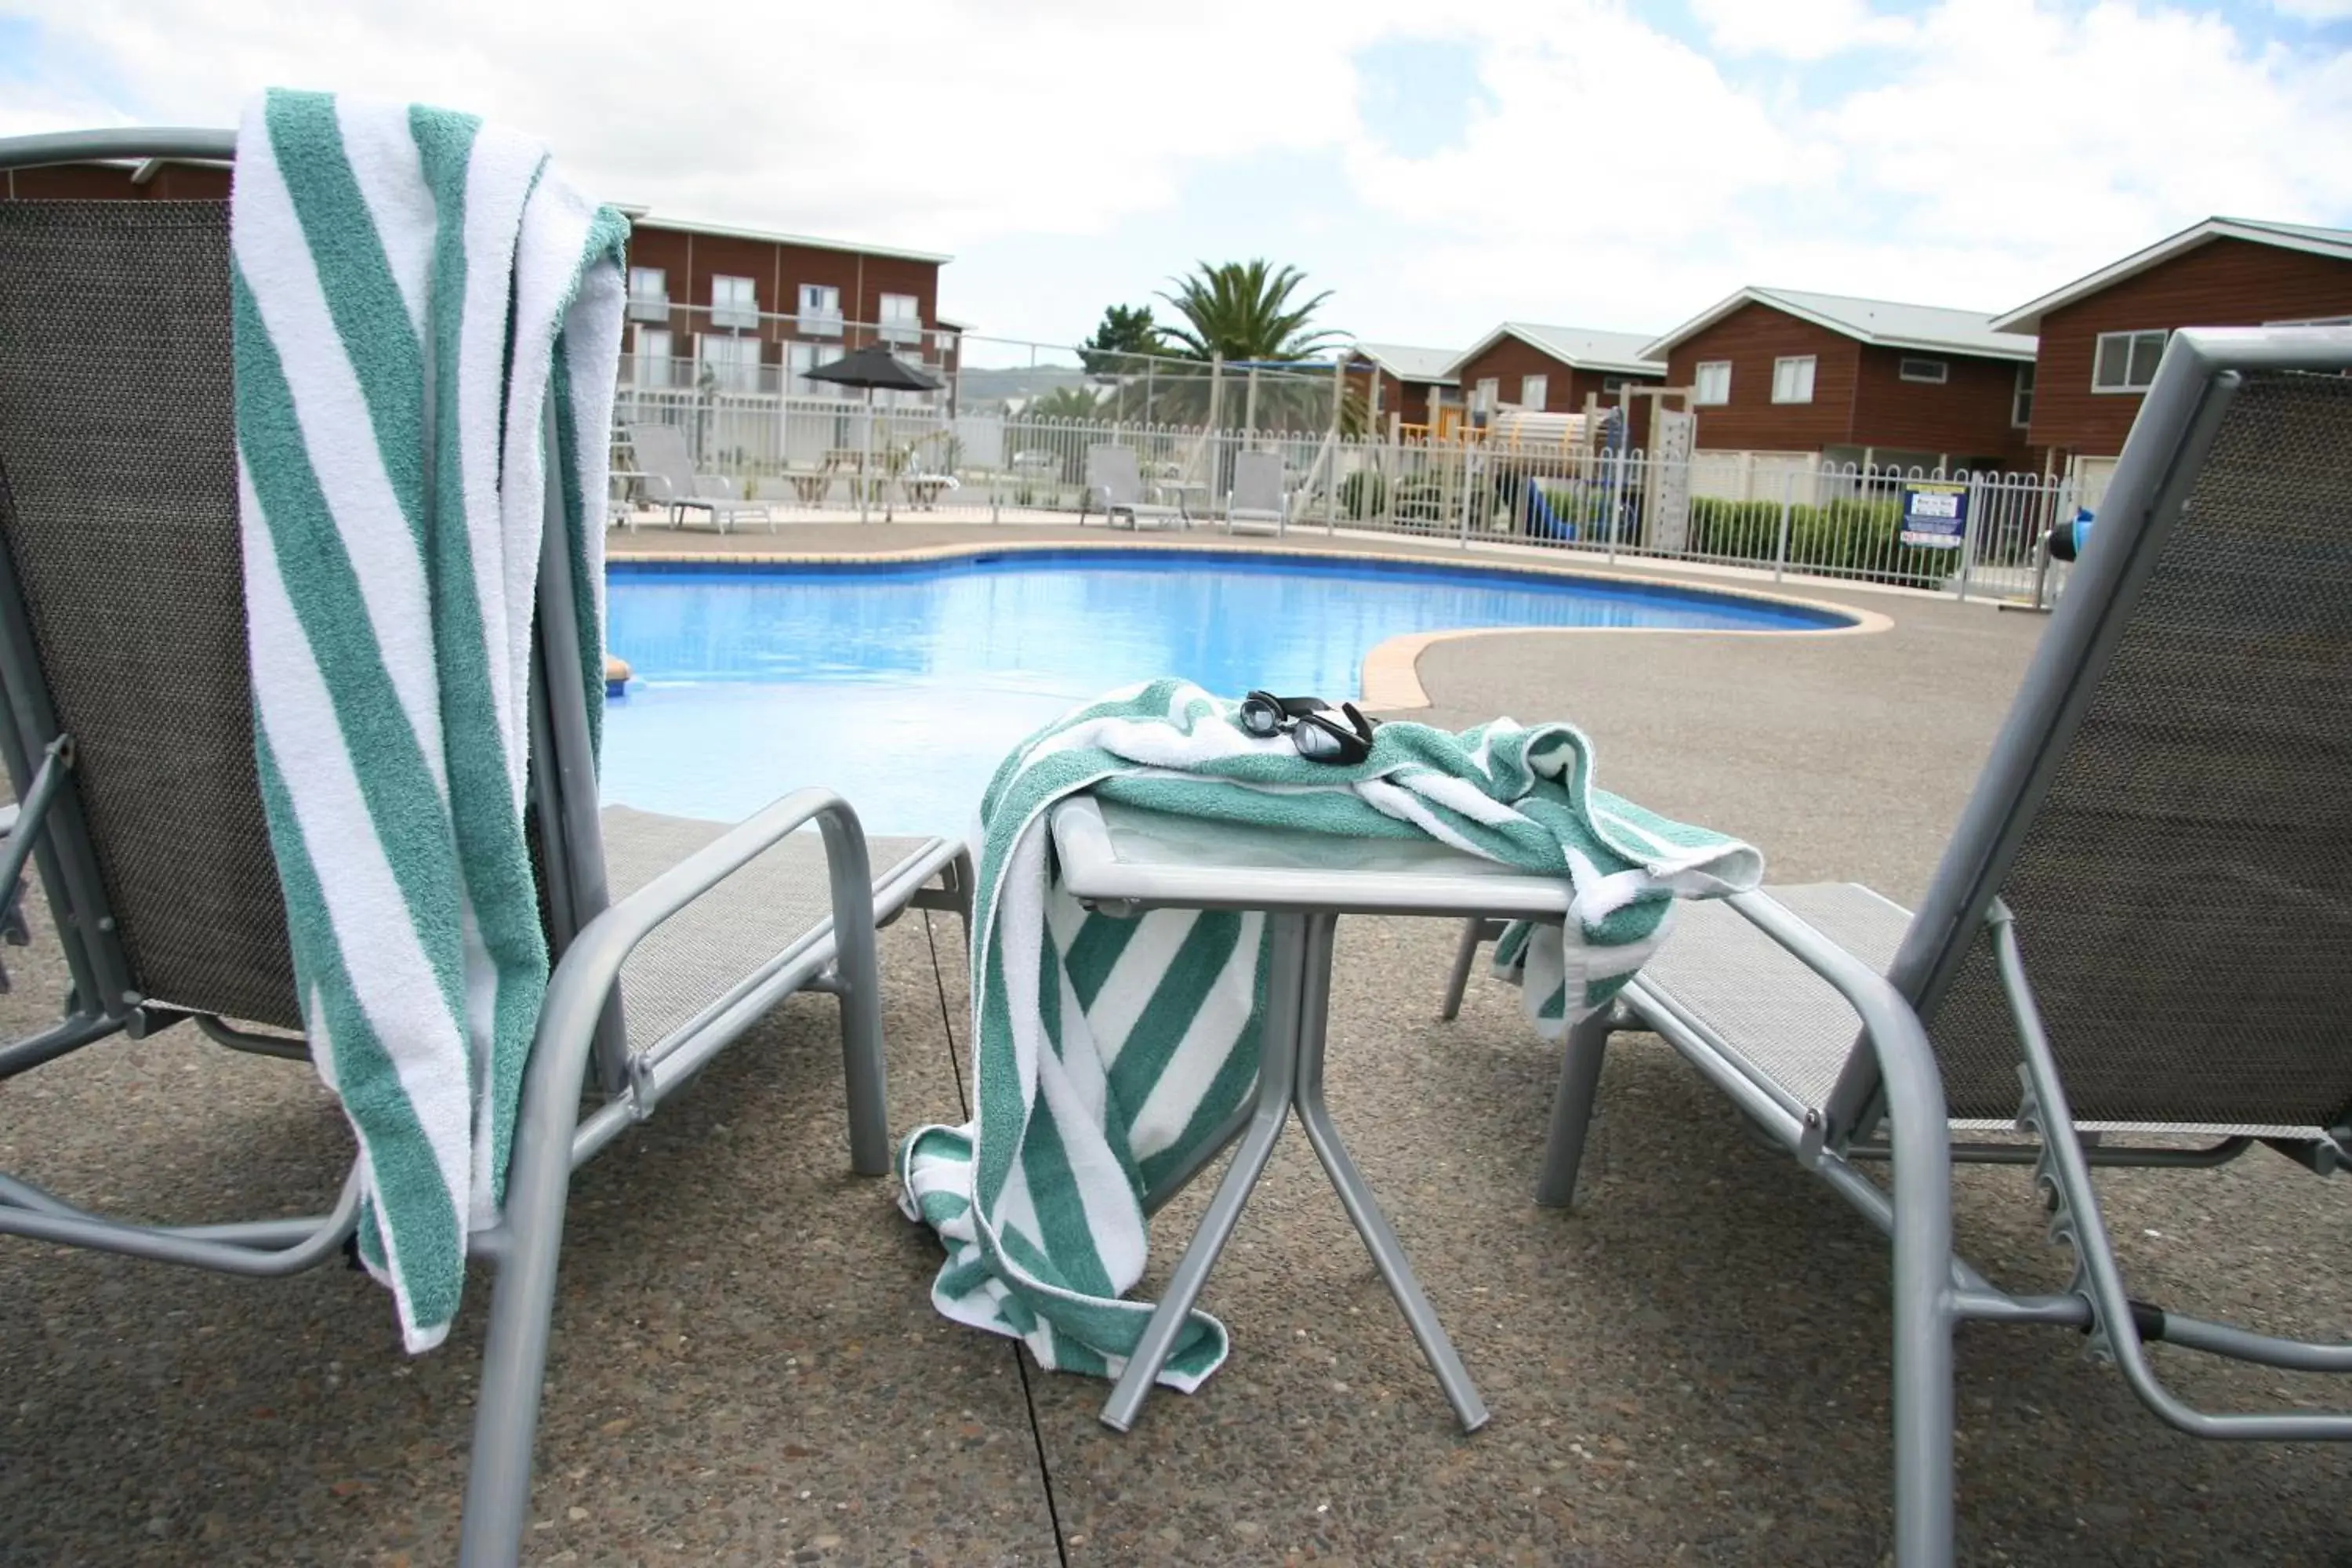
column 734, row 301
column 2312, row 322
column 1532, row 389
column 1934, row 371
column 820, row 310
column 902, row 318
column 1793, row 379
column 733, row 365
column 802, row 358
column 2126, row 360
column 1487, row 394
column 1712, row 382
column 2021, row 403
column 648, row 294
column 652, row 367
column 1610, row 386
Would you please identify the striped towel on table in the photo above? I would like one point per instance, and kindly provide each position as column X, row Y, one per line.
column 1107, row 1051
column 411, row 288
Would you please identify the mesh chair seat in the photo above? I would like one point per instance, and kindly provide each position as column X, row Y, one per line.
column 701, row 954
column 1786, row 1026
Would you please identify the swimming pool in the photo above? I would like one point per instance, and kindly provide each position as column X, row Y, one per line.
column 903, row 684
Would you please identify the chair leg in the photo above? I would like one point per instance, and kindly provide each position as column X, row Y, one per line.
column 1572, row 1109
column 1466, row 953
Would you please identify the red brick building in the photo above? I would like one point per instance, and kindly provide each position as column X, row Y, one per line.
column 1409, row 382
column 1863, row 382
column 2102, row 334
column 156, row 179
column 757, row 312
column 1544, row 369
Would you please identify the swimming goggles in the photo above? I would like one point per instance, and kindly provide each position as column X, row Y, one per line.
column 1308, row 721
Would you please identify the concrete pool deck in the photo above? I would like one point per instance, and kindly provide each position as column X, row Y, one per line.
column 1690, row 1367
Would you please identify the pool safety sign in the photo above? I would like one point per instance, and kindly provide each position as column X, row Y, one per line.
column 1936, row 516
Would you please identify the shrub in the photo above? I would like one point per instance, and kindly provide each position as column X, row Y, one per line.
column 1362, row 494
column 1847, row 537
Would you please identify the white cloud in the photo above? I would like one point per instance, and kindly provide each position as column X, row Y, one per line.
column 2315, row 10
column 1074, row 152
column 1796, row 29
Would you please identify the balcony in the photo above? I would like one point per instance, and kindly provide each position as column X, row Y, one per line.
column 653, row 308
column 738, row 313
column 819, row 324
column 906, row 330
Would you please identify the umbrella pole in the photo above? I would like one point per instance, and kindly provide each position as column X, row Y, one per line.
column 865, row 466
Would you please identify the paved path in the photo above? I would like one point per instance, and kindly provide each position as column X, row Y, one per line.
column 1691, row 1367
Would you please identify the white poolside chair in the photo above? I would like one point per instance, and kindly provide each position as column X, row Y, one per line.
column 1257, row 496
column 1115, row 484
column 671, row 481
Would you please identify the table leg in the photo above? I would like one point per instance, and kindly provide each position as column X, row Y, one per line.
column 1276, row 1074
column 1379, row 1238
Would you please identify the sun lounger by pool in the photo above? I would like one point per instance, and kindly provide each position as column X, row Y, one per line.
column 1257, row 496
column 130, row 735
column 671, row 481
column 2140, row 932
column 1115, row 487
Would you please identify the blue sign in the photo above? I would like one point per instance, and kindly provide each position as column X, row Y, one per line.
column 1934, row 516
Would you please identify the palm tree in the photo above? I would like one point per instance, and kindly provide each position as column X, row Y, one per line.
column 1244, row 312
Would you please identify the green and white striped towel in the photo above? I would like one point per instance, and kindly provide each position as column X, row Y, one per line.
column 1105, row 1051
column 411, row 288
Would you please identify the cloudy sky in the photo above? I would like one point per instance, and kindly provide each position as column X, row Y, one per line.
column 1596, row 163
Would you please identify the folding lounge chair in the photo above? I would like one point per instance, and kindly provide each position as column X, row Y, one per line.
column 128, row 731
column 2141, row 925
column 1257, row 495
column 1115, row 484
column 672, row 482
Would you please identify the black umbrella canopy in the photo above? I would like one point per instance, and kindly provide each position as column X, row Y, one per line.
column 875, row 367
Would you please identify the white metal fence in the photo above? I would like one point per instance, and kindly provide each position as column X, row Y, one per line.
column 1968, row 532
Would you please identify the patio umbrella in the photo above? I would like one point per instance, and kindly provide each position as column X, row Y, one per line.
column 871, row 367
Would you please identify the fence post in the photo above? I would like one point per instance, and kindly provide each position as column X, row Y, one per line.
column 1216, row 389
column 1466, row 494
column 1781, row 549
column 1968, row 525
column 1339, row 401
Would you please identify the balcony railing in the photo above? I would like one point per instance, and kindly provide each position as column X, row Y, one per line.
column 747, row 315
column 650, row 308
column 817, row 323
column 900, row 331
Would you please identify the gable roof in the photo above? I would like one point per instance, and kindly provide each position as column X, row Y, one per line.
column 2336, row 242
column 1407, row 362
column 1882, row 323
column 1580, row 348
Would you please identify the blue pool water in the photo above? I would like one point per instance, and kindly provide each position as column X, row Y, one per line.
column 903, row 686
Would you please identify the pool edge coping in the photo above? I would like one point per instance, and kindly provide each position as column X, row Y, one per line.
column 1390, row 677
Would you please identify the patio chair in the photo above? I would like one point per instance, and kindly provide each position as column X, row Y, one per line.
column 2140, row 929
column 1115, row 485
column 1257, row 496
column 670, row 481
column 128, row 731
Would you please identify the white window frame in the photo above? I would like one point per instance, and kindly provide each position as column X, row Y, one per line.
column 1924, row 371
column 1711, row 383
column 899, row 318
column 734, row 301
column 2020, row 398
column 820, row 311
column 734, row 361
column 649, row 368
column 649, row 283
column 1535, row 391
column 2131, row 342
column 1486, row 395
column 1792, row 377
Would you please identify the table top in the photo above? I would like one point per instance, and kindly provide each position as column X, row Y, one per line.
column 1120, row 854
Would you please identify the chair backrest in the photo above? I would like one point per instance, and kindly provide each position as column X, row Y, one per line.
column 1113, row 470
column 2168, row 810
column 119, row 511
column 661, row 451
column 123, row 618
column 1257, row 482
